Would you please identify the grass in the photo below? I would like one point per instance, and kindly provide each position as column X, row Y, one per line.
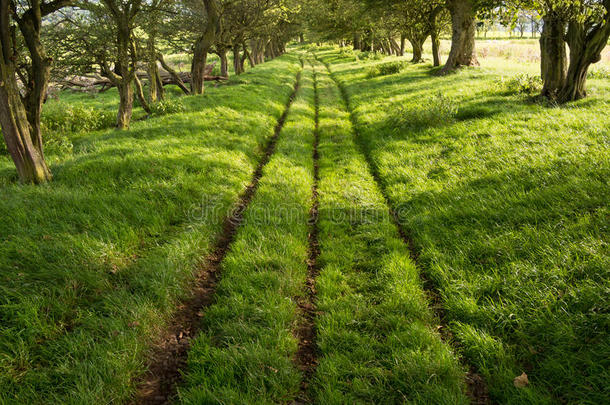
column 376, row 335
column 92, row 264
column 245, row 353
column 508, row 204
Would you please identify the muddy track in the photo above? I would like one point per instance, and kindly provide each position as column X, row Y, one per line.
column 476, row 387
column 307, row 353
column 169, row 354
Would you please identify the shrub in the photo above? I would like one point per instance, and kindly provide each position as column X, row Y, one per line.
column 435, row 111
column 171, row 106
column 64, row 118
column 385, row 69
column 521, row 84
column 600, row 73
column 366, row 55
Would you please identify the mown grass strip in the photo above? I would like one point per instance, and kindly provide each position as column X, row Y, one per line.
column 376, row 335
column 507, row 202
column 246, row 351
column 169, row 356
column 92, row 265
column 476, row 386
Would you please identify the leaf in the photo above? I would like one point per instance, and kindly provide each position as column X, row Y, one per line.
column 521, row 381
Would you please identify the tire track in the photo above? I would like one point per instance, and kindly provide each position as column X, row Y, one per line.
column 169, row 354
column 307, row 353
column 476, row 386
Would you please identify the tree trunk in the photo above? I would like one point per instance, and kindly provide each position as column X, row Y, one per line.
column 403, row 42
column 301, row 38
column 553, row 60
column 586, row 45
column 16, row 130
column 436, row 48
column 140, row 94
column 463, row 52
column 224, row 62
column 203, row 45
column 125, row 105
column 173, row 74
column 418, row 47
column 357, row 44
column 155, row 87
column 237, row 59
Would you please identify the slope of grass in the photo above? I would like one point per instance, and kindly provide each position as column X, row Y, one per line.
column 92, row 263
column 508, row 202
column 376, row 335
column 245, row 353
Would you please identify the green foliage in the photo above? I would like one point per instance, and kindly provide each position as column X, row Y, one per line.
column 366, row 55
column 66, row 118
column 385, row 69
column 167, row 106
column 522, row 83
column 599, row 73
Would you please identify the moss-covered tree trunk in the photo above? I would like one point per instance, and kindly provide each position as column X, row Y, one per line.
column 16, row 130
column 20, row 114
column 553, row 61
column 463, row 23
column 586, row 41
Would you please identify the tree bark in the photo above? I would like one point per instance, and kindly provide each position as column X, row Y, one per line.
column 237, row 59
column 418, row 46
column 203, row 45
column 16, row 131
column 586, row 45
column 463, row 52
column 436, row 48
column 173, row 74
column 403, row 42
column 125, row 105
column 357, row 41
column 140, row 94
column 155, row 87
column 224, row 62
column 553, row 62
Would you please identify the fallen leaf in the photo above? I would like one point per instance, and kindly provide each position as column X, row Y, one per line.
column 133, row 324
column 521, row 381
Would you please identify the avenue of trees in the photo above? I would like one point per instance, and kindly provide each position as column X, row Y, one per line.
column 116, row 40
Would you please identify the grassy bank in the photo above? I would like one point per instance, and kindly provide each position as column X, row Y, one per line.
column 92, row 263
column 508, row 204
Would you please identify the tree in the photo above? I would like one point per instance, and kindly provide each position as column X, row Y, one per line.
column 205, row 41
column 463, row 26
column 25, row 70
column 584, row 25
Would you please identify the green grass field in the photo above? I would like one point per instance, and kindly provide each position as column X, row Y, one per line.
column 496, row 263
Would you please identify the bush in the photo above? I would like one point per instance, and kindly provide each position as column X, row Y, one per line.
column 171, row 106
column 385, row 69
column 370, row 56
column 522, row 84
column 435, row 111
column 64, row 118
column 600, row 73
